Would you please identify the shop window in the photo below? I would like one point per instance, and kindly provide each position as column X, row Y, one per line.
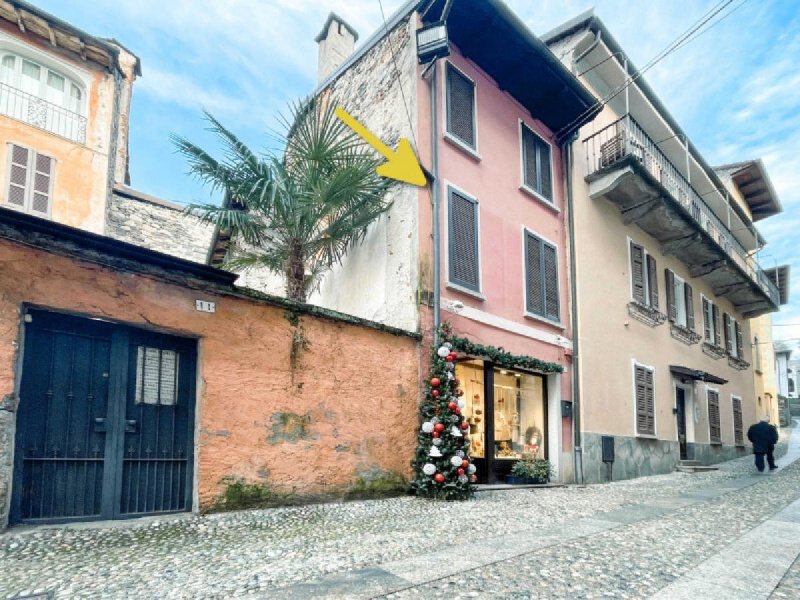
column 519, row 415
column 156, row 376
column 470, row 376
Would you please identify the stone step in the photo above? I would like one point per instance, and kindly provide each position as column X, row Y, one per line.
column 689, row 463
column 695, row 468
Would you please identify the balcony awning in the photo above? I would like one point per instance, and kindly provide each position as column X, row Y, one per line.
column 686, row 374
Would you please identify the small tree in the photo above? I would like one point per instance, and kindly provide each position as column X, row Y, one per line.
column 296, row 212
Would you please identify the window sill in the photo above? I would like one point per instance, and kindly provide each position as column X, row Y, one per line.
column 544, row 320
column 472, row 152
column 536, row 196
column 646, row 314
column 647, row 436
column 464, row 290
column 715, row 443
column 684, row 334
column 714, row 351
column 738, row 363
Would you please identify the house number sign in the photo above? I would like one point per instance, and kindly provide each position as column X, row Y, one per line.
column 206, row 306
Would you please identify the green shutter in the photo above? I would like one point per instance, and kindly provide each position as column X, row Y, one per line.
column 689, row 306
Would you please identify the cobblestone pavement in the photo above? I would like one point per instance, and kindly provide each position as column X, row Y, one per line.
column 624, row 540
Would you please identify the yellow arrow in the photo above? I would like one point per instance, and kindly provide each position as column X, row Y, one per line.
column 401, row 165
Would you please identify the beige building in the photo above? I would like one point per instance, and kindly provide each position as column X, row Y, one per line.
column 666, row 283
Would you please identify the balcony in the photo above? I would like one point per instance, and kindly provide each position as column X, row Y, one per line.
column 626, row 167
column 45, row 115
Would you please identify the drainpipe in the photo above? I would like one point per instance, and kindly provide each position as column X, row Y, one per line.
column 113, row 143
column 437, row 300
column 597, row 37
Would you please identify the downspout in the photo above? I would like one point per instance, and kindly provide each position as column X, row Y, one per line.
column 113, row 144
column 437, row 300
column 597, row 38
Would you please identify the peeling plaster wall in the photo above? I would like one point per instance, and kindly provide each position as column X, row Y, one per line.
column 245, row 376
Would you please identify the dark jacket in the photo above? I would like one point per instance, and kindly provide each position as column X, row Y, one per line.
column 762, row 435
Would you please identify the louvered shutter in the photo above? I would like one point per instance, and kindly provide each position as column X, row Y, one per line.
column 652, row 280
column 42, row 175
column 650, row 402
column 672, row 309
column 460, row 107
column 713, row 416
column 715, row 318
column 738, row 426
column 739, row 344
column 533, row 275
column 463, row 256
column 18, row 176
column 707, row 321
column 546, row 188
column 689, row 306
column 637, row 272
column 726, row 326
column 529, row 159
column 645, row 401
column 551, row 283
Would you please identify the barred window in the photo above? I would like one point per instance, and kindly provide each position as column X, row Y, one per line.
column 156, row 376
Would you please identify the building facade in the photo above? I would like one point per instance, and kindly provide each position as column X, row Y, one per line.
column 666, row 279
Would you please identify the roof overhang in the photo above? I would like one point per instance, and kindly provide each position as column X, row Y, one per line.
column 489, row 34
column 753, row 182
column 780, row 277
column 685, row 374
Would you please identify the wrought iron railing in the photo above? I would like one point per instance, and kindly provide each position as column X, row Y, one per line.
column 625, row 138
column 40, row 113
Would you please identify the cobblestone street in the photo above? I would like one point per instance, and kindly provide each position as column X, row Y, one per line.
column 666, row 535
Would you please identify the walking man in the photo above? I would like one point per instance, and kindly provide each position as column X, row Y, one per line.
column 763, row 436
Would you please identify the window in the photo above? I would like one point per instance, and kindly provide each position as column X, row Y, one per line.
column 536, row 164
column 738, row 427
column 541, row 278
column 156, row 376
column 680, row 301
column 644, row 281
column 757, row 355
column 42, row 82
column 463, row 258
column 461, row 107
column 645, row 399
column 711, row 329
column 714, row 431
column 733, row 336
column 30, row 180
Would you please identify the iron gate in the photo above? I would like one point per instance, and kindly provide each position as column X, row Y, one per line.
column 105, row 424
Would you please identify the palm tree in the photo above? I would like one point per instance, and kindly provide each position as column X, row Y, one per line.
column 297, row 212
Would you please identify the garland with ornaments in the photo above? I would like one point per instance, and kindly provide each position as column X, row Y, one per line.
column 498, row 356
column 442, row 467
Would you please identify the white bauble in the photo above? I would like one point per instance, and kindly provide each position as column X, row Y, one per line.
column 443, row 351
column 461, row 404
column 437, row 441
column 455, row 431
column 450, row 376
column 429, row 469
column 435, row 452
column 449, row 366
column 463, row 478
column 460, row 453
column 455, row 461
column 427, row 427
column 448, row 345
column 471, row 469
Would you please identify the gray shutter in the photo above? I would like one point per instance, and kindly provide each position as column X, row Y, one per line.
column 689, row 306
column 717, row 332
column 707, row 321
column 652, row 280
column 738, row 426
column 18, row 176
column 650, row 402
column 713, row 416
column 641, row 399
column 726, row 321
column 637, row 272
column 534, row 290
column 460, row 107
column 43, row 170
column 551, row 304
column 529, row 159
column 738, row 339
column 546, row 188
column 672, row 309
column 463, row 237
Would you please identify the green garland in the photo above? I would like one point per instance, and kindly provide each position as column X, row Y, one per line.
column 498, row 356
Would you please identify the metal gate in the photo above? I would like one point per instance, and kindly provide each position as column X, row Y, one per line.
column 105, row 424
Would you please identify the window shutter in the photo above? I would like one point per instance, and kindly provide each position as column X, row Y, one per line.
column 689, row 306
column 529, row 159
column 544, row 170
column 460, row 107
column 18, row 175
column 738, row 426
column 707, row 321
column 552, row 310
column 726, row 326
column 652, row 280
column 463, row 241
column 672, row 309
column 715, row 318
column 650, row 402
column 637, row 272
column 713, row 416
column 534, row 298
column 738, row 339
column 645, row 401
column 40, row 201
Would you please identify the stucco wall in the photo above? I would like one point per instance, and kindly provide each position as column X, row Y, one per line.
column 356, row 385
column 764, row 367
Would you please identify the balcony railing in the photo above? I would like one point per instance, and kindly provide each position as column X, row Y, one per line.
column 625, row 138
column 40, row 113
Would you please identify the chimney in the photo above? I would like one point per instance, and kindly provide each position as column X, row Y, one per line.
column 336, row 42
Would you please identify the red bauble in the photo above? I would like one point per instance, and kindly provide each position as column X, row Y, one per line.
column 438, row 478
column 454, row 354
column 457, row 410
column 465, row 463
column 449, row 358
column 465, row 425
column 460, row 471
column 435, row 434
column 474, row 477
column 452, row 405
column 435, row 382
column 435, row 393
column 439, row 427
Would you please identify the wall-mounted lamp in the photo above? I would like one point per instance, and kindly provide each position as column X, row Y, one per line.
column 432, row 42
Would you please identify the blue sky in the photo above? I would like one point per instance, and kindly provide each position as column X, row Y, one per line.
column 735, row 89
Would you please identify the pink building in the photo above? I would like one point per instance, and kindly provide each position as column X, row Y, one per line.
column 484, row 122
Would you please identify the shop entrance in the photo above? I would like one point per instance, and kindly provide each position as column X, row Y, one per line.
column 680, row 411
column 507, row 414
column 105, row 424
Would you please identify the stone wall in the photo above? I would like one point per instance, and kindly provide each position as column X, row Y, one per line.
column 633, row 457
column 709, row 454
column 159, row 225
column 287, row 395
